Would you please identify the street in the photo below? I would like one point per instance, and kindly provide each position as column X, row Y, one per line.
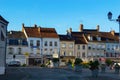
column 37, row 73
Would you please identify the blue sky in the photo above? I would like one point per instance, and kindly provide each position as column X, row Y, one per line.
column 60, row 14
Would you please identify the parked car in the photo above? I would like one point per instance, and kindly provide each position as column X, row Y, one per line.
column 14, row 63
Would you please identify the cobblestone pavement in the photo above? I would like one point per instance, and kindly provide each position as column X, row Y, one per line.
column 36, row 73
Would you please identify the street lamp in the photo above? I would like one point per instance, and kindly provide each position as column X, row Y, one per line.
column 117, row 20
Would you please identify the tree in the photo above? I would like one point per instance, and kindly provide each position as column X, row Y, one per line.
column 108, row 62
column 78, row 61
column 94, row 65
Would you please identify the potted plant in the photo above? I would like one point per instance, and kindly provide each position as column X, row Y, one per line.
column 94, row 67
column 77, row 63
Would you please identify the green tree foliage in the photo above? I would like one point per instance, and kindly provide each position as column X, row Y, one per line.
column 108, row 62
column 78, row 61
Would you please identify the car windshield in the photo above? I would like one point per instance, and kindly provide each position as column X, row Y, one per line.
column 14, row 62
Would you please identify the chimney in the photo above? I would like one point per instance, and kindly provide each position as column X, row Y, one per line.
column 81, row 27
column 112, row 32
column 70, row 30
column 22, row 24
column 67, row 32
column 35, row 25
column 98, row 28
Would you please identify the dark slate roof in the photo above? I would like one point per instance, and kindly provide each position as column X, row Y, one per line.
column 65, row 38
column 15, row 34
column 89, row 30
column 1, row 18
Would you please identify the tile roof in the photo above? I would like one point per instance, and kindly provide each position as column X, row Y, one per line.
column 65, row 38
column 48, row 33
column 90, row 30
column 15, row 34
column 40, row 32
column 105, row 36
column 32, row 32
column 78, row 37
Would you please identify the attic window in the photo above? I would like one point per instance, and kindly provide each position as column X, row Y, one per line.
column 98, row 38
column 90, row 38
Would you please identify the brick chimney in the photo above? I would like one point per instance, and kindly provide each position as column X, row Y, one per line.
column 98, row 27
column 81, row 27
column 112, row 32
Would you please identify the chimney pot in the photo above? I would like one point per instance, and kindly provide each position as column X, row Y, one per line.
column 98, row 27
column 35, row 25
column 22, row 24
column 81, row 27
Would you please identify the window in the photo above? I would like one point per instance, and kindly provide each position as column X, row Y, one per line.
column 83, row 54
column 63, row 53
column 45, row 50
column 70, row 45
column 83, row 47
column 63, row 45
column 89, row 47
column 99, row 38
column 19, row 41
column 24, row 42
column 55, row 44
column 51, row 49
column 50, row 43
column 2, row 26
column 13, row 42
column 70, row 53
column 78, row 54
column 2, row 37
column 19, row 50
column 31, row 42
column 38, row 43
column 46, row 43
column 11, row 50
column 78, row 47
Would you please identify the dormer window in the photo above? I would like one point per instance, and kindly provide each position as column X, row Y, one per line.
column 98, row 38
column 90, row 37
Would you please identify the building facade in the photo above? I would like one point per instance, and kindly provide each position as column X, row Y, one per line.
column 43, row 43
column 3, row 31
column 16, row 46
column 66, row 49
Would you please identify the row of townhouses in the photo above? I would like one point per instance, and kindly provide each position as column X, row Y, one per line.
column 37, row 45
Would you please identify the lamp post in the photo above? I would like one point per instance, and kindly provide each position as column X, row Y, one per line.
column 117, row 20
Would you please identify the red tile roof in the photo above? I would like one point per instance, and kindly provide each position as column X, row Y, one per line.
column 41, row 32
column 78, row 37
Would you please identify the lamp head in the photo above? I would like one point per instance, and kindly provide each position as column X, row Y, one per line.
column 109, row 15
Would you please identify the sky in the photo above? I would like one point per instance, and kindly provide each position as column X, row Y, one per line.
column 60, row 14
